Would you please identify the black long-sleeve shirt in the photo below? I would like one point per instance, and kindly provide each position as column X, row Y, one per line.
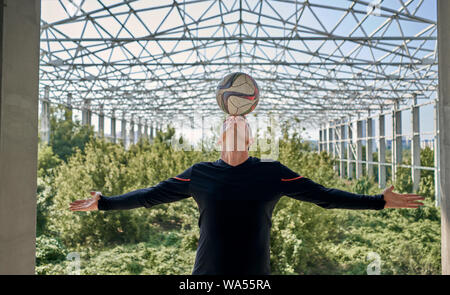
column 236, row 205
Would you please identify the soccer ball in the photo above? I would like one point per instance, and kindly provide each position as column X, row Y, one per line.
column 237, row 94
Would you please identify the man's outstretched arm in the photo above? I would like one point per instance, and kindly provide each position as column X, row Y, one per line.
column 167, row 191
column 304, row 189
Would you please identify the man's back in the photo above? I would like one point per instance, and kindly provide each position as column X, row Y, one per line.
column 236, row 204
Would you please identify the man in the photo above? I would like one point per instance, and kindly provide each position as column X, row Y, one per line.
column 236, row 196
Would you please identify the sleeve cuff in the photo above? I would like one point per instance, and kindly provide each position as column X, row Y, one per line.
column 102, row 203
column 379, row 202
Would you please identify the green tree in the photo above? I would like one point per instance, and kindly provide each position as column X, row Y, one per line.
column 66, row 135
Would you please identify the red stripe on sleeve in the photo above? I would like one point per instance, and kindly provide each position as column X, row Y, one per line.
column 182, row 179
column 290, row 179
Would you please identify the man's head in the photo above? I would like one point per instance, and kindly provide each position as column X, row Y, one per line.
column 236, row 134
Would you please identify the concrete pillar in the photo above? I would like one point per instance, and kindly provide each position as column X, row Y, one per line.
column 324, row 138
column 342, row 149
column 69, row 107
column 152, row 135
column 359, row 167
column 369, row 147
column 330, row 139
column 45, row 116
column 123, row 130
column 132, row 135
column 146, row 129
column 398, row 132
column 86, row 115
column 320, row 139
column 89, row 115
column 19, row 93
column 139, row 131
column 101, row 122
column 393, row 145
column 203, row 131
column 350, row 156
column 436, row 152
column 443, row 21
column 415, row 145
column 336, row 146
column 113, row 127
column 396, row 138
column 381, row 151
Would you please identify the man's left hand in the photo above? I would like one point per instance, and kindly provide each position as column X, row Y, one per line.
column 394, row 200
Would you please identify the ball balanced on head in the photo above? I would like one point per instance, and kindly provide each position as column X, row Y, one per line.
column 237, row 94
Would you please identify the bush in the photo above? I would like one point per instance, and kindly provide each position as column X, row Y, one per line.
column 305, row 239
column 111, row 169
column 67, row 136
column 49, row 250
column 47, row 165
column 99, row 168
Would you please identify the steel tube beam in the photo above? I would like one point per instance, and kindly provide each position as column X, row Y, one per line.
column 330, row 139
column 132, row 135
column 336, row 146
column 231, row 64
column 415, row 145
column 350, row 157
column 113, row 127
column 101, row 122
column 369, row 146
column 139, row 129
column 436, row 152
column 152, row 135
column 381, row 152
column 396, row 139
column 146, row 129
column 69, row 107
column 123, row 130
column 233, row 38
column 45, row 117
column 359, row 168
column 86, row 115
column 342, row 149
column 319, row 146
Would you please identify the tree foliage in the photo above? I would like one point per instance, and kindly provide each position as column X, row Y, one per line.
column 67, row 136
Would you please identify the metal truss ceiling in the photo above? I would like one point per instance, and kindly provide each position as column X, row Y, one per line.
column 313, row 60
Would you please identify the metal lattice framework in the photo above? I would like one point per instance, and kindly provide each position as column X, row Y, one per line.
column 313, row 60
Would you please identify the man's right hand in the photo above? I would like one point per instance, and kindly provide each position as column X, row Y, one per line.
column 88, row 204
